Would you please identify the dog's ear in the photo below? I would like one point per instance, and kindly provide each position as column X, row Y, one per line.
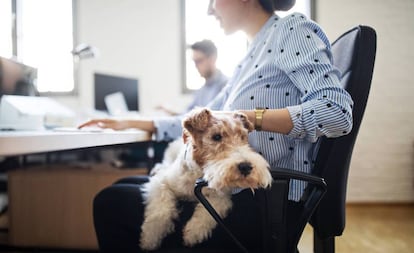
column 198, row 120
column 243, row 118
column 186, row 135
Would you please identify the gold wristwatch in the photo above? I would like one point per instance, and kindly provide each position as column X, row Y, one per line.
column 259, row 118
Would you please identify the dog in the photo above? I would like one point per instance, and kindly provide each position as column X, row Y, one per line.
column 214, row 147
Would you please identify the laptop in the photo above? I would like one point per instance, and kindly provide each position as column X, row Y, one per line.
column 116, row 104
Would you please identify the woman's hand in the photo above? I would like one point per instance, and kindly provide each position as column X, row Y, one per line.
column 106, row 123
column 145, row 125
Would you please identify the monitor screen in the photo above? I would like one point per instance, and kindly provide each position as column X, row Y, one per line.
column 17, row 78
column 109, row 84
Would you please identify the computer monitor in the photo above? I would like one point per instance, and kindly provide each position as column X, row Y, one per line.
column 17, row 78
column 109, row 84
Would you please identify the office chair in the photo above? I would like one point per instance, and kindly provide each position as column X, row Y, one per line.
column 323, row 204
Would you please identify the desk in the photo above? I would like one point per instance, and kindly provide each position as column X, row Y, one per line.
column 51, row 206
column 30, row 142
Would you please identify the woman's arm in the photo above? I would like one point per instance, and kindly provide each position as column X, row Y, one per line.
column 164, row 129
column 274, row 120
column 323, row 107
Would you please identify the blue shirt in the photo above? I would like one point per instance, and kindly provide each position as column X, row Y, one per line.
column 288, row 65
column 209, row 90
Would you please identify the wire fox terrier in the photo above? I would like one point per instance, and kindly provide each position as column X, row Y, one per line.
column 214, row 147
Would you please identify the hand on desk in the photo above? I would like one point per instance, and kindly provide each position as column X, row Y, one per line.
column 105, row 123
column 145, row 125
column 75, row 129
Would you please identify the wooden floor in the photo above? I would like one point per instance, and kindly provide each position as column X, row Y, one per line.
column 372, row 228
column 369, row 229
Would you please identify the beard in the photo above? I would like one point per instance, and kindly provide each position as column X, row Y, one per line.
column 208, row 73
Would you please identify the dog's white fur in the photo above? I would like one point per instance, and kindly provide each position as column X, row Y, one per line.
column 215, row 147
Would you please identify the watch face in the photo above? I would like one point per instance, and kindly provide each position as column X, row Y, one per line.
column 259, row 116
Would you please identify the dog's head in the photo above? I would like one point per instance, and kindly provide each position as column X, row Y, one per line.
column 220, row 147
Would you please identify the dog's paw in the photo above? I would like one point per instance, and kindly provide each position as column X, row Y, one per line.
column 193, row 235
column 148, row 242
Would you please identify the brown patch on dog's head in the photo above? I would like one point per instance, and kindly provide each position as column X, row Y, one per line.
column 213, row 134
column 185, row 136
column 246, row 122
column 198, row 120
column 195, row 126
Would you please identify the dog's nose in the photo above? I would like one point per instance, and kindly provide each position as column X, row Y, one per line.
column 245, row 168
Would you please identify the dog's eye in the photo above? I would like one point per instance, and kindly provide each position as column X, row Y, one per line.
column 217, row 137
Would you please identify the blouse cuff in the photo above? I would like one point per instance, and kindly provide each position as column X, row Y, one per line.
column 296, row 116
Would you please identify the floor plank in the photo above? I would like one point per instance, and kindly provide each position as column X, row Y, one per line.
column 372, row 228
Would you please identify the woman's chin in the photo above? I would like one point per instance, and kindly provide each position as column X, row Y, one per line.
column 228, row 31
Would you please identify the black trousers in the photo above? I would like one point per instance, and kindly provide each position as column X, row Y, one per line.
column 118, row 215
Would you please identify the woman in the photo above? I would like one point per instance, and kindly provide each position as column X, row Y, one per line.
column 287, row 86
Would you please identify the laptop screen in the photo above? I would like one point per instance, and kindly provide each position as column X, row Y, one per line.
column 109, row 84
column 116, row 104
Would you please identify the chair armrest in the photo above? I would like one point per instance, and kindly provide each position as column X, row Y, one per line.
column 311, row 198
column 282, row 173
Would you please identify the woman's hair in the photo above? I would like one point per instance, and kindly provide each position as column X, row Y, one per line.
column 276, row 5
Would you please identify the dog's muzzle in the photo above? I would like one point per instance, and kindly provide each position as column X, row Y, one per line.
column 245, row 168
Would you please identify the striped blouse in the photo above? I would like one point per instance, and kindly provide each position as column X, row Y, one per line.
column 288, row 65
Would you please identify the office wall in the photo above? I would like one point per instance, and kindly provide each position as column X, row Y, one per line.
column 136, row 38
column 382, row 168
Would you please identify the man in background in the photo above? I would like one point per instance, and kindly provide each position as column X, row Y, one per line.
column 204, row 58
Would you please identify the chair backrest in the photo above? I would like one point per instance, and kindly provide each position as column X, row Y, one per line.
column 354, row 55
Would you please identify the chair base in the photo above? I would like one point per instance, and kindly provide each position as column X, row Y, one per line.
column 326, row 245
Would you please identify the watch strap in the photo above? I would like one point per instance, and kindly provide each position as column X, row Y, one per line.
column 258, row 118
